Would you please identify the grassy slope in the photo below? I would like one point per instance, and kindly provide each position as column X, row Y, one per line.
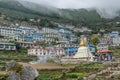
column 81, row 14
column 18, row 55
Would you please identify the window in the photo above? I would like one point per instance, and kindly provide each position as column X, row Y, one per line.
column 12, row 47
column 6, row 46
column 44, row 54
column 1, row 46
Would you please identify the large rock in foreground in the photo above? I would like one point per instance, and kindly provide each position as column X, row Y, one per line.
column 28, row 73
column 20, row 72
column 14, row 76
column 13, row 66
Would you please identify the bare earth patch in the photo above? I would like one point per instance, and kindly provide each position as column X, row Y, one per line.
column 46, row 66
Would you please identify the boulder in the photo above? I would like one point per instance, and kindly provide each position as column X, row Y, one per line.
column 14, row 76
column 28, row 73
column 10, row 65
column 13, row 66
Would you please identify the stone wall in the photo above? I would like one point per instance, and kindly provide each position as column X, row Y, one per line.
column 73, row 60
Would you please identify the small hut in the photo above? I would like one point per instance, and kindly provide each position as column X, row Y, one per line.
column 105, row 55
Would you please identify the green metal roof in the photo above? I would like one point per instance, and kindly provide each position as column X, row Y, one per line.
column 26, row 42
column 12, row 44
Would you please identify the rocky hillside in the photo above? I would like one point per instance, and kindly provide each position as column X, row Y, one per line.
column 15, row 71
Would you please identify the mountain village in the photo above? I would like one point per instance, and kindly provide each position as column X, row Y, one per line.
column 40, row 42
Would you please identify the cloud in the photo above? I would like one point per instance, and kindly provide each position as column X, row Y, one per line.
column 106, row 8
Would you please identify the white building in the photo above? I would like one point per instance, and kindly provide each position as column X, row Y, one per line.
column 116, row 41
column 6, row 39
column 71, row 27
column 17, row 33
column 114, row 34
column 27, row 30
column 48, row 51
column 102, row 46
column 26, row 44
column 49, row 40
column 106, row 39
column 7, row 46
column 48, row 30
column 116, row 38
column 51, row 35
column 68, row 45
column 9, row 31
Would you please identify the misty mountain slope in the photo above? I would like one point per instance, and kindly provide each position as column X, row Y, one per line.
column 13, row 5
column 13, row 8
column 23, row 9
column 64, row 13
column 80, row 14
column 39, row 7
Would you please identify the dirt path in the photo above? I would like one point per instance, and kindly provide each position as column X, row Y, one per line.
column 46, row 66
column 3, row 72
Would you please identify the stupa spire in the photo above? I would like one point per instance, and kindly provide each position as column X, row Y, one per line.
column 82, row 42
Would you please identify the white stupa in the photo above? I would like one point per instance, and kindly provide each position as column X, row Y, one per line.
column 83, row 52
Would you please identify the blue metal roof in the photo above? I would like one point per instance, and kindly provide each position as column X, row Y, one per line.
column 71, row 50
column 90, row 45
column 33, row 36
column 28, row 38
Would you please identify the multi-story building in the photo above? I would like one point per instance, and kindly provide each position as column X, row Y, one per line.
column 116, row 38
column 116, row 41
column 48, row 30
column 106, row 39
column 17, row 33
column 7, row 46
column 49, row 39
column 50, row 35
column 6, row 39
column 48, row 51
column 9, row 31
column 68, row 26
column 33, row 37
column 68, row 45
column 102, row 46
column 114, row 34
column 26, row 44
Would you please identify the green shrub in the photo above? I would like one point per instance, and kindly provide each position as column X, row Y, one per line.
column 91, row 65
column 75, row 75
column 3, row 77
column 48, row 76
column 17, row 68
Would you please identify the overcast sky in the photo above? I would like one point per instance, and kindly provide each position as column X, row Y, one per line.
column 79, row 3
column 110, row 7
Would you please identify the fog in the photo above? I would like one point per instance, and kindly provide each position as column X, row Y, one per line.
column 106, row 8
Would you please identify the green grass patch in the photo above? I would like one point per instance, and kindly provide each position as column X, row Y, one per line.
column 18, row 55
column 21, row 51
column 3, row 76
column 48, row 76
column 70, row 76
column 53, row 71
column 92, row 65
column 2, row 63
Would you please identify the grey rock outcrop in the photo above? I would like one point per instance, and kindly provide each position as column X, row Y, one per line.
column 19, row 72
column 28, row 73
column 10, row 65
column 14, row 76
